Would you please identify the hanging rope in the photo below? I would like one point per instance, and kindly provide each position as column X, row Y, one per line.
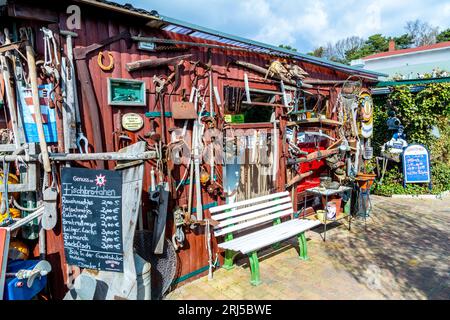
column 208, row 245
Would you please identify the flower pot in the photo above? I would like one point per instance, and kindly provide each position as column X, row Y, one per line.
column 365, row 180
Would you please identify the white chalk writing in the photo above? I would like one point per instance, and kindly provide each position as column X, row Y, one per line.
column 92, row 223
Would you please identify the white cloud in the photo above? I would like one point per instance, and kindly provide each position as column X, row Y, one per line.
column 304, row 24
column 373, row 14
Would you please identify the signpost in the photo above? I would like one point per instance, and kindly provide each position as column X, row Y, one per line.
column 92, row 218
column 416, row 165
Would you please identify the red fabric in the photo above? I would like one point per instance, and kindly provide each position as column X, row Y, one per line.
column 317, row 166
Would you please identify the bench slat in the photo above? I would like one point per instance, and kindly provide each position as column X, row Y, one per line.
column 270, row 236
column 277, row 238
column 253, row 215
column 253, row 222
column 260, row 233
column 247, row 202
column 260, row 206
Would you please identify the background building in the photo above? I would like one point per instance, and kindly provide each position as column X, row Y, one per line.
column 431, row 61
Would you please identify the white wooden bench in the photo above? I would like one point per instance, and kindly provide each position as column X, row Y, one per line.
column 264, row 214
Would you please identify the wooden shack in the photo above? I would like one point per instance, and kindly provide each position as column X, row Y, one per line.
column 191, row 56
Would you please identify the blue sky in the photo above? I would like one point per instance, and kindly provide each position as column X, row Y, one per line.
column 303, row 24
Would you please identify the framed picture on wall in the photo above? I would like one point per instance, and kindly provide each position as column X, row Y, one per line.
column 126, row 92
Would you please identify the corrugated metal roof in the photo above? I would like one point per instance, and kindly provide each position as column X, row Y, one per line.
column 266, row 48
column 193, row 30
column 387, row 90
column 412, row 82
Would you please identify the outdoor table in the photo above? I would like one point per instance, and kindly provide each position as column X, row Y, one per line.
column 326, row 193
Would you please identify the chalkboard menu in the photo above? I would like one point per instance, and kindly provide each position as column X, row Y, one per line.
column 416, row 164
column 92, row 218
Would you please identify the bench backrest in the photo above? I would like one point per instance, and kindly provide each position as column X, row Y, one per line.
column 251, row 213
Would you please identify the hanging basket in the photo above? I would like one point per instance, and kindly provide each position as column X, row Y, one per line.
column 365, row 180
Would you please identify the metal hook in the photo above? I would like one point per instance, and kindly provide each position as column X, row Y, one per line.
column 82, row 139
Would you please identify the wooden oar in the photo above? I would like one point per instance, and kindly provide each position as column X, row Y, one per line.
column 37, row 108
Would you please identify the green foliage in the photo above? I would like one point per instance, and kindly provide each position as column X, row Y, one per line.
column 351, row 48
column 318, row 52
column 393, row 184
column 440, row 173
column 374, row 44
column 440, row 149
column 419, row 112
column 285, row 46
column 381, row 133
column 443, row 36
column 404, row 41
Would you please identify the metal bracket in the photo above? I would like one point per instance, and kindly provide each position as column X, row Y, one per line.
column 29, row 176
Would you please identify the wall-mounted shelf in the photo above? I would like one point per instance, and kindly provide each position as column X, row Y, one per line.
column 312, row 121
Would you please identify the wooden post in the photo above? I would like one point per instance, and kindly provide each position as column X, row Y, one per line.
column 37, row 108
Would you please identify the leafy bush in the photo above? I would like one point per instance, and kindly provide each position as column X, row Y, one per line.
column 419, row 112
column 440, row 174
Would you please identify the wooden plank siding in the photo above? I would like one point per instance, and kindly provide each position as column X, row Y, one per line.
column 97, row 25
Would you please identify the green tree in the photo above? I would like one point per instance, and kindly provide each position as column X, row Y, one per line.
column 285, row 46
column 318, row 52
column 377, row 43
column 374, row 44
column 404, row 41
column 443, row 36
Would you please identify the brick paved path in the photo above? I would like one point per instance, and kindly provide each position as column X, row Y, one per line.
column 403, row 254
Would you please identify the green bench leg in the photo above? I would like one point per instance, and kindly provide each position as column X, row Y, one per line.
column 303, row 246
column 254, row 268
column 228, row 262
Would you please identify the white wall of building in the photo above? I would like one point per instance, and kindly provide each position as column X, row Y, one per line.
column 409, row 62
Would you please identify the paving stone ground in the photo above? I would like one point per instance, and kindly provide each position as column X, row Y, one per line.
column 402, row 254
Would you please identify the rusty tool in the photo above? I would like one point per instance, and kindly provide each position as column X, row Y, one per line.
column 160, row 87
column 182, row 110
column 298, row 178
column 154, row 63
column 72, row 94
column 87, row 86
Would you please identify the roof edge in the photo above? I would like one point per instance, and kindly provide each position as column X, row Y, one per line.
column 412, row 82
column 305, row 57
column 401, row 52
column 119, row 8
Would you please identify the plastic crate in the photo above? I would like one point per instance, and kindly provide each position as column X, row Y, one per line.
column 13, row 291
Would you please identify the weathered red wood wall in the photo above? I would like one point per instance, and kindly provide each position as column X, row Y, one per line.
column 97, row 25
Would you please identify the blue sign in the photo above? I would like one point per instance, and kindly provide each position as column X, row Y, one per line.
column 416, row 164
column 48, row 115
